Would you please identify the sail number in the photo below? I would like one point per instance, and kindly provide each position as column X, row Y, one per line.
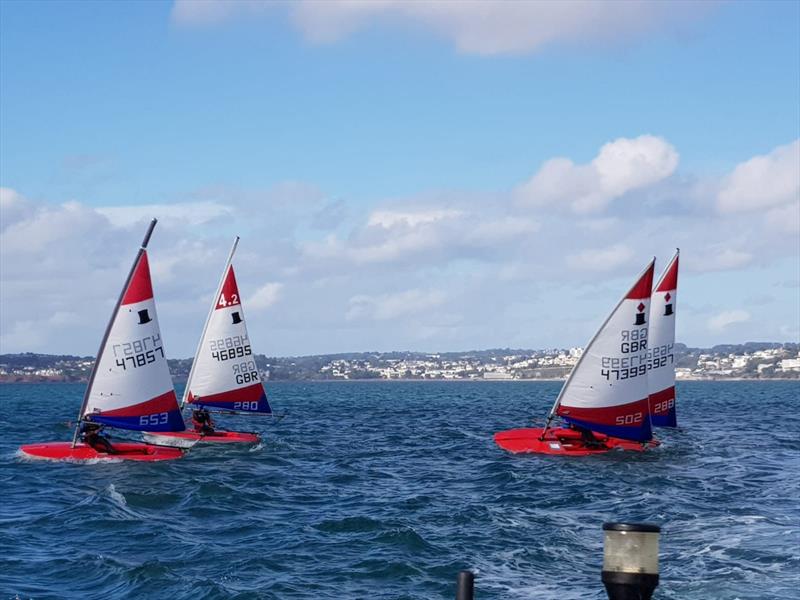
column 235, row 346
column 234, row 299
column 246, row 372
column 140, row 360
column 137, row 352
column 624, row 373
column 633, row 340
column 156, row 419
column 660, row 356
column 627, row 367
column 624, row 370
column 662, row 407
column 238, row 352
column 252, row 405
column 630, row 419
column 657, row 363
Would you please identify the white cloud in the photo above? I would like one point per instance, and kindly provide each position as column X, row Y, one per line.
column 601, row 259
column 32, row 336
column 48, row 226
column 500, row 230
column 481, row 27
column 186, row 213
column 36, row 333
column 763, row 181
column 395, row 305
column 621, row 166
column 726, row 318
column 13, row 208
column 627, row 164
column 62, row 267
column 494, row 267
column 182, row 258
column 394, row 247
column 265, row 296
column 420, row 234
column 390, row 218
column 599, row 224
column 784, row 219
column 719, row 259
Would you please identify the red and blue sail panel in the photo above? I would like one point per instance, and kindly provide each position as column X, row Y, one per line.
column 662, row 407
column 159, row 414
column 250, row 399
column 627, row 421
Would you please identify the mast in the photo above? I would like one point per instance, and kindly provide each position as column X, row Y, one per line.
column 208, row 319
column 553, row 410
column 88, row 391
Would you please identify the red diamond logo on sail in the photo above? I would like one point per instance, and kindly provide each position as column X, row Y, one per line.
column 641, row 307
column 667, row 297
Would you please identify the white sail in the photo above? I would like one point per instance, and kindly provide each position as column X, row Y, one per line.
column 130, row 386
column 607, row 390
column 661, row 348
column 224, row 373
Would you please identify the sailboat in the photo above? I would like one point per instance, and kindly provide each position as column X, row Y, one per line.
column 224, row 376
column 605, row 400
column 130, row 386
column 661, row 375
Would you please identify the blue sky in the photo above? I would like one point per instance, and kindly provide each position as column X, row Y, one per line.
column 387, row 167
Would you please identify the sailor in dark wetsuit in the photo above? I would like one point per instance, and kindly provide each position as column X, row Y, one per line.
column 587, row 436
column 202, row 421
column 90, row 434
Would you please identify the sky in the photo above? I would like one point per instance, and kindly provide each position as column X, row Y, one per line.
column 404, row 176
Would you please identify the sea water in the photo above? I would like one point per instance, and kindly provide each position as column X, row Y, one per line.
column 386, row 490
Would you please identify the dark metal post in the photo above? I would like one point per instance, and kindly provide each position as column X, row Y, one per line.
column 465, row 586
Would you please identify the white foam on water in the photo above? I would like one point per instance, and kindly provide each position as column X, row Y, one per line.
column 168, row 440
column 116, row 496
column 748, row 519
column 23, row 456
column 93, row 461
column 20, row 455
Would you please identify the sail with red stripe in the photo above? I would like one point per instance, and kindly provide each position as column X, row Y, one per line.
column 661, row 348
column 224, row 374
column 130, row 386
column 607, row 391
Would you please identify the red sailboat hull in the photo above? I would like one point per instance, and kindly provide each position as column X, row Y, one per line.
column 124, row 451
column 218, row 437
column 563, row 442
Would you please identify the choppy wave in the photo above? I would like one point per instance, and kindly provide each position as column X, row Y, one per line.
column 387, row 490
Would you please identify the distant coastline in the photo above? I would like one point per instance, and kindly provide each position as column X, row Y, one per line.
column 751, row 361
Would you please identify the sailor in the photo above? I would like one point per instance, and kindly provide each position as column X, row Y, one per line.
column 587, row 436
column 202, row 421
column 90, row 434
